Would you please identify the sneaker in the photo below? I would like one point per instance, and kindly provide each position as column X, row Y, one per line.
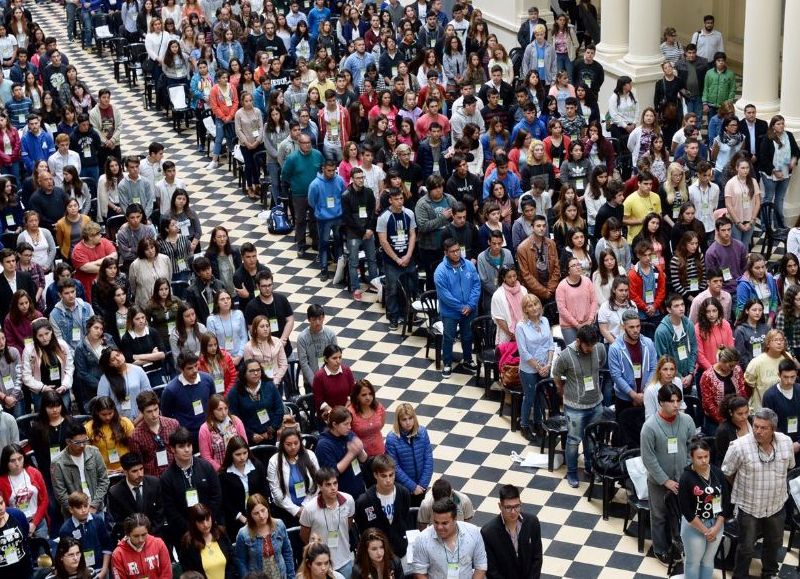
column 323, row 276
column 526, row 433
column 446, row 371
column 469, row 366
column 200, row 149
column 212, row 165
column 393, row 325
column 572, row 480
column 663, row 558
column 357, row 295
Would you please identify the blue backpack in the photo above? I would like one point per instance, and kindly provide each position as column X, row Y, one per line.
column 279, row 222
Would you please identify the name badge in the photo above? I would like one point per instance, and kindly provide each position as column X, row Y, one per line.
column 726, row 274
column 637, row 370
column 181, row 264
column 648, row 296
column 320, row 362
column 137, row 200
column 557, row 161
column 588, row 383
column 356, row 467
column 273, row 325
column 8, row 382
column 219, row 385
column 170, row 327
column 716, row 505
column 113, row 456
column 10, row 220
column 263, row 416
column 161, row 458
column 791, row 425
column 55, row 373
column 300, row 489
column 540, row 63
column 672, row 445
column 256, row 133
column 197, row 406
column 330, row 202
column 87, row 152
column 126, row 404
column 682, row 353
column 694, row 284
column 191, row 497
column 333, row 539
column 54, row 450
column 89, row 558
column 362, row 212
column 578, row 183
column 675, row 212
column 452, row 570
column 756, row 349
column 76, row 334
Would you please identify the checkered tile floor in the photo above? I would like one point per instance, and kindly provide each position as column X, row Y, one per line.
column 473, row 444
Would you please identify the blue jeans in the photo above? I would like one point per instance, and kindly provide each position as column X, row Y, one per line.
column 353, row 246
column 346, row 570
column 332, row 151
column 775, row 192
column 744, row 236
column 695, row 105
column 86, row 19
column 699, row 560
column 226, row 131
column 328, row 231
column 392, row 281
column 451, row 325
column 564, row 63
column 529, row 399
column 72, row 11
column 577, row 421
column 569, row 334
column 274, row 172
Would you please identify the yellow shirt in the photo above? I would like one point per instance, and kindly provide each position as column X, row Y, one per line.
column 106, row 445
column 637, row 207
column 761, row 374
column 213, row 561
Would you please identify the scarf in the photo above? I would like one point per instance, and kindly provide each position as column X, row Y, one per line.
column 513, row 297
column 733, row 140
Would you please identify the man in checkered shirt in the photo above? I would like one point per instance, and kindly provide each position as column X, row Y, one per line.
column 757, row 464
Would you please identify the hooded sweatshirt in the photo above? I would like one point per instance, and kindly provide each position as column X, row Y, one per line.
column 152, row 562
column 458, row 286
column 325, row 196
column 683, row 351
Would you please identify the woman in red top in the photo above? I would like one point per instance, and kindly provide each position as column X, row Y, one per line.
column 224, row 102
column 332, row 383
column 22, row 487
column 17, row 325
column 217, row 362
column 369, row 416
column 140, row 555
column 713, row 332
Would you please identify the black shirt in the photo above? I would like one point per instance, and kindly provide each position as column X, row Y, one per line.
column 279, row 310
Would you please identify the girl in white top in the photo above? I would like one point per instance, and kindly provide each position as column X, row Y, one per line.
column 507, row 304
column 623, row 108
column 603, row 278
column 666, row 373
column 609, row 316
column 44, row 246
column 292, row 462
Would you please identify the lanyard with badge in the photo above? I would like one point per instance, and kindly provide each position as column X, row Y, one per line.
column 452, row 566
column 333, row 534
column 192, row 498
column 161, row 451
column 672, row 441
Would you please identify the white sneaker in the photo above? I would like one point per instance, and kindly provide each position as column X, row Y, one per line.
column 212, row 165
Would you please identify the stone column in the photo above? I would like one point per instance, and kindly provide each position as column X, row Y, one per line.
column 613, row 30
column 644, row 32
column 762, row 52
column 790, row 75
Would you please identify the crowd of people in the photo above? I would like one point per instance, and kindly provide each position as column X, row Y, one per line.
column 412, row 137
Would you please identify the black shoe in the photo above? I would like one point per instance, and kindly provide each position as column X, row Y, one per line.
column 663, row 558
column 323, row 276
column 526, row 433
column 393, row 325
column 469, row 366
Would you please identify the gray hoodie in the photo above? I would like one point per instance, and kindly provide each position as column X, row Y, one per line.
column 430, row 222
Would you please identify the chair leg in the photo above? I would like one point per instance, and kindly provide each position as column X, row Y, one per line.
column 590, row 494
column 438, row 352
column 605, row 496
column 514, row 413
column 640, row 531
column 503, row 404
column 551, row 451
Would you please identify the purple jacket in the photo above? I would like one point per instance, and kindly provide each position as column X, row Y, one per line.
column 732, row 258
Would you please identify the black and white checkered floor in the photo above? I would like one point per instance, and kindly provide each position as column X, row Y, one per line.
column 473, row 445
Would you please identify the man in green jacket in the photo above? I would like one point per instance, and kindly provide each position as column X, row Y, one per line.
column 299, row 170
column 719, row 85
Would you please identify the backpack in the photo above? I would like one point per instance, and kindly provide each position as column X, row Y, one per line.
column 278, row 222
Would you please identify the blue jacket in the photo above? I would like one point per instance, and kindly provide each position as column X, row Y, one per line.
column 177, row 401
column 413, row 456
column 425, row 158
column 65, row 322
column 620, row 366
column 249, row 551
column 196, row 92
column 261, row 99
column 325, row 196
column 315, row 18
column 227, row 52
column 457, row 286
column 330, row 450
column 745, row 291
column 36, row 148
column 247, row 409
column 511, row 183
column 536, row 129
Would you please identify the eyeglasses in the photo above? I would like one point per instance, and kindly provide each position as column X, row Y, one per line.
column 79, row 442
column 512, row 508
column 254, row 370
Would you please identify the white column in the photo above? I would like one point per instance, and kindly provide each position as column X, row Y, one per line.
column 762, row 53
column 613, row 29
column 790, row 75
column 644, row 28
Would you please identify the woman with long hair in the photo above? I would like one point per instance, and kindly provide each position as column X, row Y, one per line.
column 577, row 247
column 410, row 447
column 77, row 190
column 69, row 562
column 10, row 379
column 613, row 240
column 687, row 222
column 109, row 432
column 276, row 129
column 26, row 264
column 758, row 283
column 673, row 193
column 788, row 273
column 736, row 423
column 642, row 136
column 506, row 303
column 108, row 203
column 88, row 353
column 658, row 155
column 48, row 436
column 205, row 548
column 22, row 487
column 750, row 332
column 229, row 326
column 257, row 401
column 623, row 109
column 47, row 363
column 569, row 218
column 262, row 545
column 316, row 563
column 187, row 333
column 241, row 475
column 217, row 362
column 225, row 259
column 332, row 383
column 162, row 309
column 116, row 317
column 594, row 196
column 339, row 448
column 148, row 266
column 375, row 557
column 218, row 430
column 788, row 319
column 687, row 268
column 369, row 417
column 290, row 474
column 713, row 332
column 743, row 202
column 176, row 247
column 777, row 159
column 121, row 382
column 40, row 238
column 249, row 124
column 722, row 379
column 654, row 232
column 266, row 349
column 142, row 345
column 608, row 268
column 109, row 278
column 17, row 325
column 11, row 151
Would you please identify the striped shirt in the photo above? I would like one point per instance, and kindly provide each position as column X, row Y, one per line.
column 695, row 283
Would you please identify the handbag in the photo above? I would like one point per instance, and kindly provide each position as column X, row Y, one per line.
column 509, row 376
column 669, row 110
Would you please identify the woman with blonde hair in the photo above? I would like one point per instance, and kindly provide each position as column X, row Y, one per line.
column 316, row 562
column 410, row 447
column 536, row 350
column 266, row 350
column 263, row 543
column 666, row 372
column 762, row 371
column 673, row 193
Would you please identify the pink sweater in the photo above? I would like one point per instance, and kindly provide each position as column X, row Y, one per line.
column 720, row 335
column 577, row 306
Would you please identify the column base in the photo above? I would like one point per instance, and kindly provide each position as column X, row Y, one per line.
column 644, row 79
column 791, row 206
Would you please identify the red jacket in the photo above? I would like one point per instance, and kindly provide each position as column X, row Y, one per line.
column 228, row 369
column 221, row 110
column 636, row 288
column 38, row 481
column 712, row 391
column 344, row 123
column 16, row 147
column 152, row 562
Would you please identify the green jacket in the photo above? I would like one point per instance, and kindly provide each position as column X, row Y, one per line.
column 719, row 87
column 300, row 170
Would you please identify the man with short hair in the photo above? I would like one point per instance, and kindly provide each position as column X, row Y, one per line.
column 106, row 119
column 359, row 221
column 299, row 170
column 675, row 337
column 132, row 232
column 530, row 123
column 244, row 278
column 540, row 56
column 513, row 541
column 397, row 235
column 165, row 188
column 86, row 143
column 727, row 255
column 754, row 131
column 705, row 195
column 385, row 505
column 538, row 261
column 311, row 343
column 525, row 33
column 449, row 548
column 504, row 90
column 432, row 115
column 462, row 184
column 150, row 168
column 433, row 213
column 151, row 436
column 463, row 231
column 489, row 262
column 275, row 307
column 188, row 481
column 325, row 199
column 69, row 316
column 758, row 463
column 203, row 290
column 19, row 107
column 62, row 158
column 784, row 399
column 708, row 41
column 576, row 374
column 714, row 290
column 459, row 289
column 665, row 439
column 36, row 144
column 442, row 489
column 330, row 515
column 48, row 201
column 501, row 174
column 467, row 114
column 135, row 189
column 459, row 23
column 648, row 283
column 334, row 127
column 357, row 62
column 637, row 206
column 588, row 71
column 88, row 255
column 79, row 467
column 186, row 396
column 12, row 280
column 137, row 493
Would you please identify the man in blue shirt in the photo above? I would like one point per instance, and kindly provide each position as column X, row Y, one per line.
column 501, row 173
column 186, row 397
column 459, row 289
column 325, row 199
column 357, row 62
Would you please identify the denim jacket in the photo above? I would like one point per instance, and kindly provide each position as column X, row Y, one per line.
column 249, row 549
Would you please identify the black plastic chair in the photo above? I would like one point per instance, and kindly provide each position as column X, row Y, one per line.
column 429, row 303
column 407, row 291
column 484, row 334
column 551, row 313
column 102, row 38
column 307, row 417
column 137, row 54
column 82, row 418
column 554, row 423
column 694, row 409
column 773, row 235
column 179, row 288
column 297, row 545
column 636, row 508
column 119, row 46
column 604, row 434
column 263, row 452
column 291, row 408
column 113, row 224
column 24, row 424
column 159, row 390
column 309, row 441
column 792, row 509
column 648, row 329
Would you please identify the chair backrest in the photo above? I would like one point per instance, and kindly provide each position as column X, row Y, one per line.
column 297, row 545
column 430, row 305
column 136, row 50
column 309, row 441
column 24, row 423
column 547, row 389
column 306, row 418
column 263, row 452
column 179, row 288
column 113, row 224
column 648, row 329
column 159, row 390
column 177, row 96
column 694, row 409
column 625, row 456
column 551, row 313
column 291, row 408
column 603, row 433
column 82, row 418
column 484, row 333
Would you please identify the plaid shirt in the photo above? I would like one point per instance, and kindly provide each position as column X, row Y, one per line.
column 143, row 441
column 759, row 488
column 791, row 330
